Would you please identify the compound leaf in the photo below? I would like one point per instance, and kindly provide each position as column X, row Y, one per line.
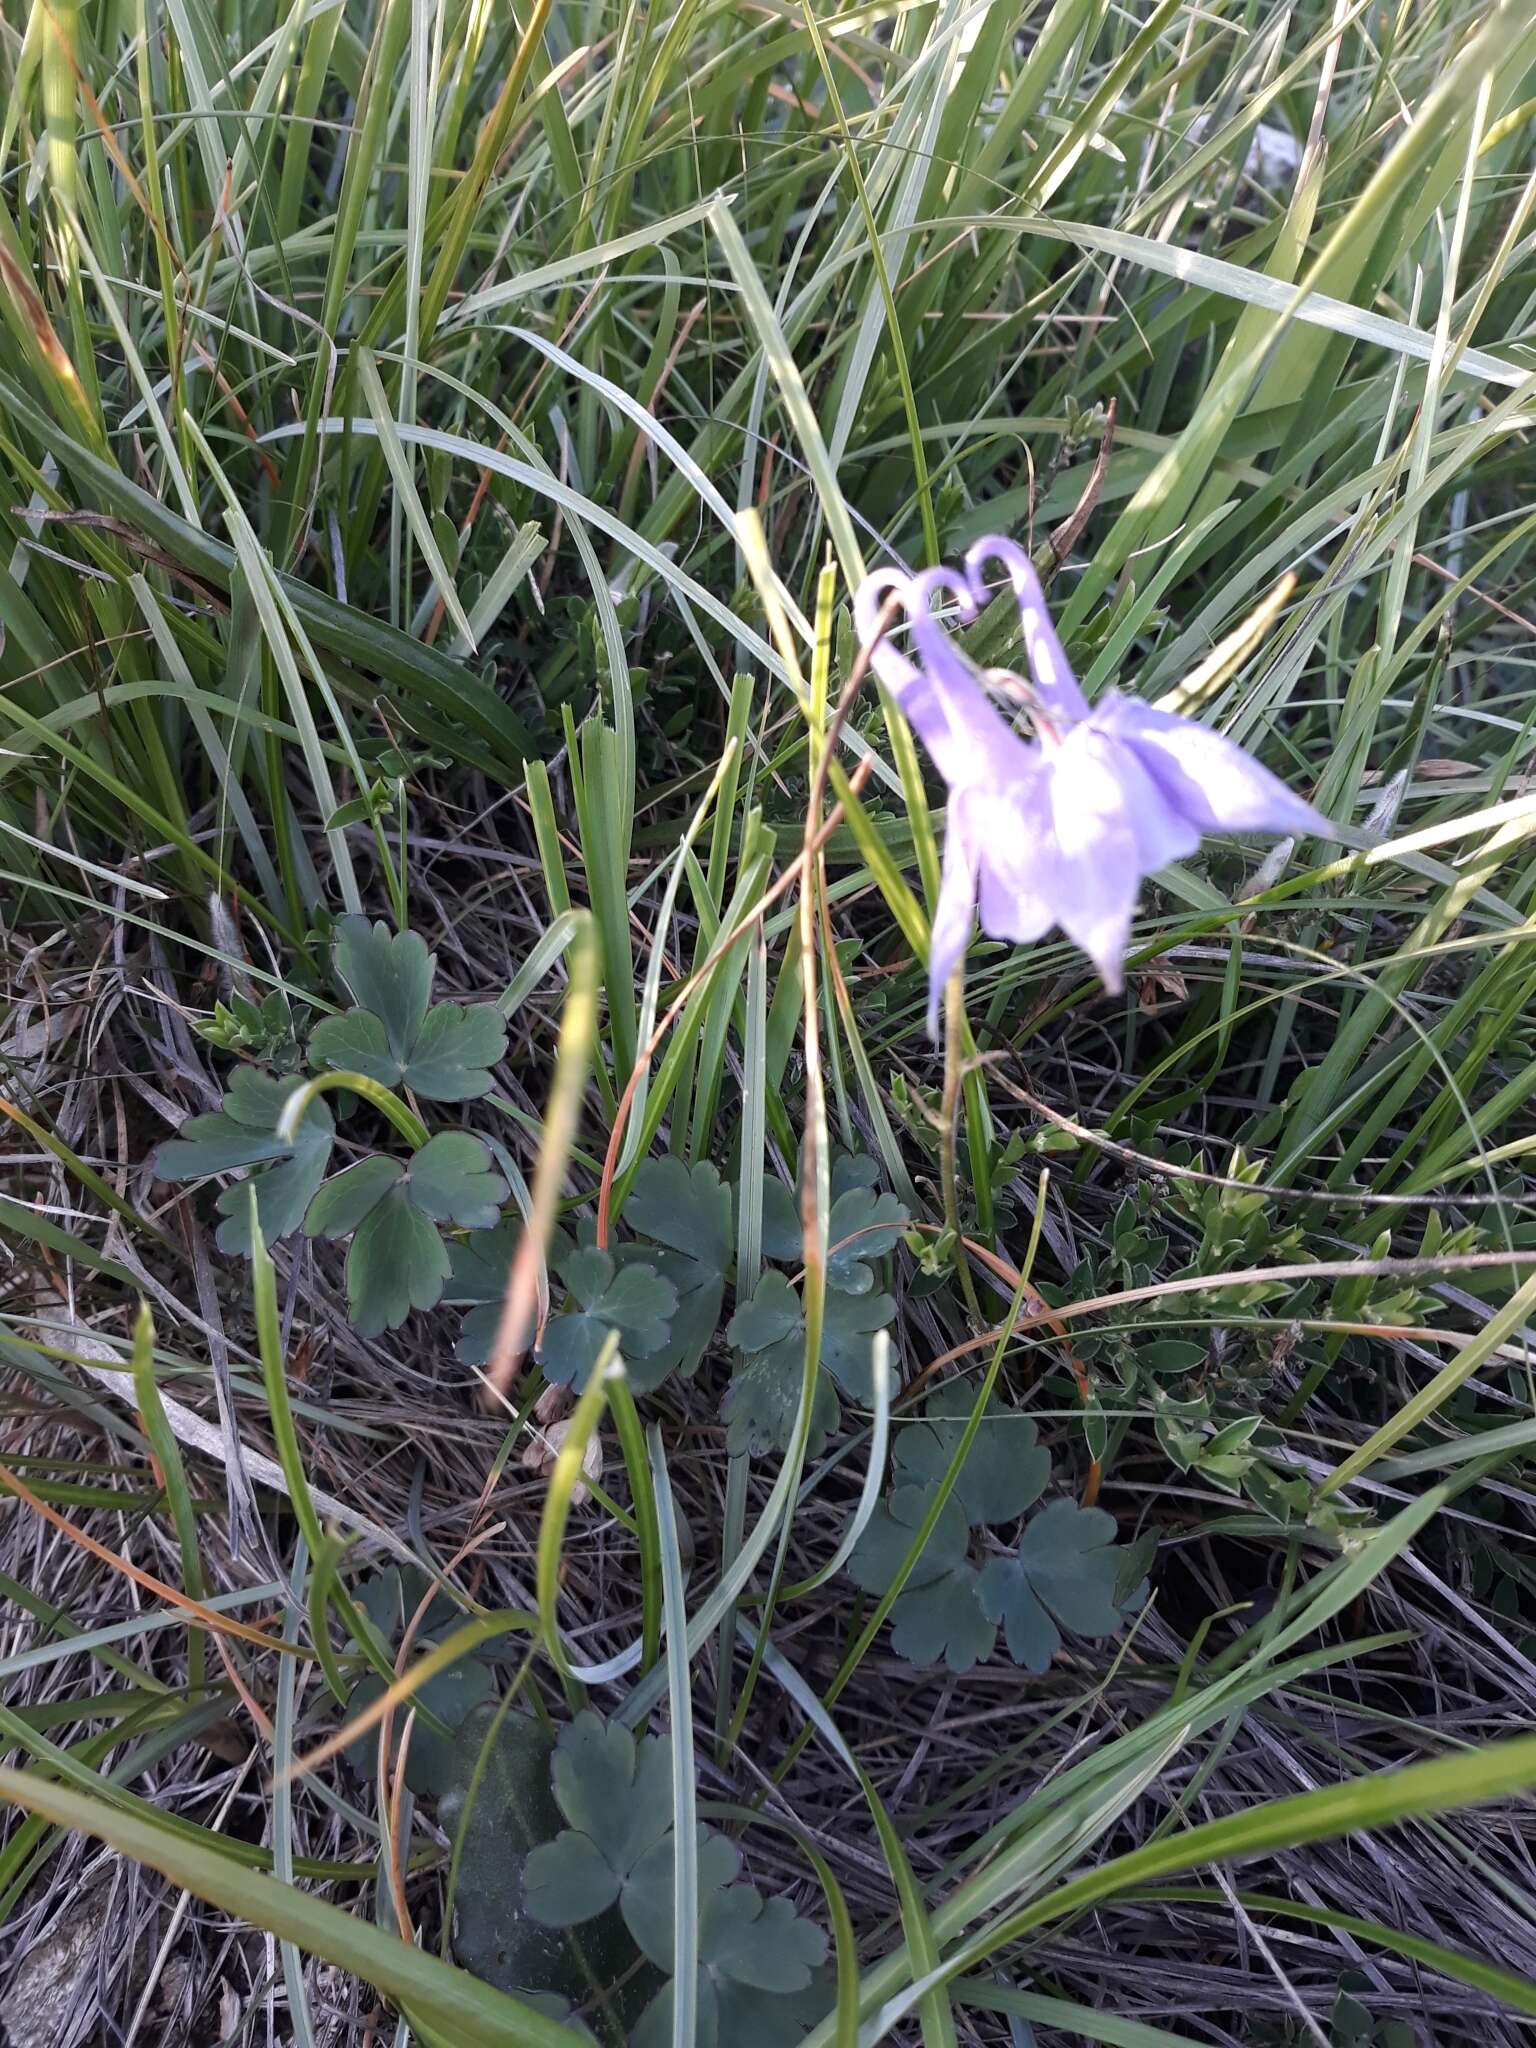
column 878, row 1554
column 852, row 1170
column 855, row 1208
column 283, row 1192
column 647, row 1904
column 765, row 1391
column 1005, row 1470
column 389, row 973
column 244, row 1133
column 497, row 1806
column 569, row 1880
column 697, row 1316
column 782, row 1238
column 772, row 1314
column 656, row 2030
column 756, row 1941
column 241, row 1132
column 478, row 1269
column 763, row 1400
column 732, row 2015
column 256, row 1097
column 572, row 1346
column 1065, row 1569
column 632, row 1298
column 639, row 1303
column 480, row 1262
column 687, row 1211
column 397, row 1262
column 431, row 1761
column 863, row 1226
column 616, row 1795
column 356, row 1043
column 944, row 1620
column 847, row 1340
column 752, row 1952
column 215, row 1144
column 686, row 1208
column 451, row 1179
column 349, row 1196
column 455, row 1050
column 391, row 1597
column 746, row 2019
column 477, row 1333
column 614, row 1788
column 445, row 1053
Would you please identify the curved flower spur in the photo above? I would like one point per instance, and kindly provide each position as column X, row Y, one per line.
column 1061, row 829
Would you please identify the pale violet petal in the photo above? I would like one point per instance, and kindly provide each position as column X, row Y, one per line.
column 941, row 701
column 954, row 913
column 886, row 659
column 1064, row 830
column 1096, row 868
column 1061, row 698
column 1012, row 907
column 1163, row 832
column 1011, row 831
column 1085, row 829
column 1211, row 780
column 977, row 744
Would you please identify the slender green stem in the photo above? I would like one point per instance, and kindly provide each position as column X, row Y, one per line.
column 949, row 1117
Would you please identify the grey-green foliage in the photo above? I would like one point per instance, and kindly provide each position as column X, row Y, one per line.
column 391, row 1210
column 564, row 1846
column 394, row 1210
column 242, row 1132
column 443, row 1051
column 497, row 1807
column 683, row 1214
column 616, row 1796
column 759, row 1978
column 485, row 1766
column 755, row 1954
column 564, row 1880
column 862, row 1225
column 661, row 1289
column 1064, row 1571
column 477, row 1280
column 630, row 1298
column 768, row 1329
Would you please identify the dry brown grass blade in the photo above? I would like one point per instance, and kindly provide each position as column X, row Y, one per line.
column 204, row 1617
column 1066, row 536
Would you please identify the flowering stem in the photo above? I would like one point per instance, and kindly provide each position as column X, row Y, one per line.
column 949, row 1109
column 815, row 1194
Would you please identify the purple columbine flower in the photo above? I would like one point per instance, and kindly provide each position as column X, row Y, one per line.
column 1061, row 829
